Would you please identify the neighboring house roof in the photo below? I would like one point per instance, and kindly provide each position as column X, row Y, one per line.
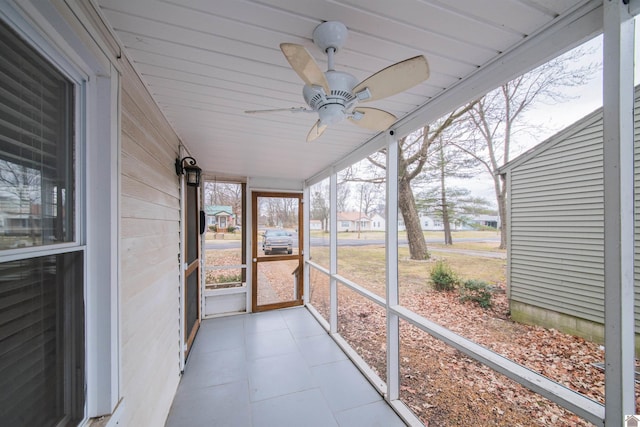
column 352, row 216
column 553, row 140
column 484, row 218
column 215, row 210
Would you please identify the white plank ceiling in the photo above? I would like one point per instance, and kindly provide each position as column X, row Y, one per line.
column 207, row 61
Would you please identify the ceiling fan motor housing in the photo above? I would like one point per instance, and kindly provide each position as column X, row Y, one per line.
column 332, row 107
column 330, row 34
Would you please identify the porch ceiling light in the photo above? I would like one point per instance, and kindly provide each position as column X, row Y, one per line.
column 191, row 170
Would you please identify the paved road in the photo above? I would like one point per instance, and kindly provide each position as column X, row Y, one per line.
column 324, row 241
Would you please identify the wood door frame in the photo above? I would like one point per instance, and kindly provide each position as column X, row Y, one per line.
column 191, row 268
column 255, row 259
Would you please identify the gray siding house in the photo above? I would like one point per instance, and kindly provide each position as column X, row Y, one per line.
column 556, row 229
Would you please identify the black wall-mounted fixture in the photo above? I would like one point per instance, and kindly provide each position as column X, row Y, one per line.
column 191, row 170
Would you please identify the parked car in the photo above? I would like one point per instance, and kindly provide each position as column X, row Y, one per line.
column 277, row 240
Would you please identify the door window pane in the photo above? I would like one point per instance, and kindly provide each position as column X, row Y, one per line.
column 278, row 225
column 192, row 299
column 191, row 236
column 224, row 247
column 278, row 281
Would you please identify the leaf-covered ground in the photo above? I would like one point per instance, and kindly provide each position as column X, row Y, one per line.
column 446, row 388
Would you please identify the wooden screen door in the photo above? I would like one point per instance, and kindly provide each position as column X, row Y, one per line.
column 276, row 250
column 191, row 283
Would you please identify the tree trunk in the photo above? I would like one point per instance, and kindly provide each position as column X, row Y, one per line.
column 448, row 240
column 501, row 193
column 407, row 205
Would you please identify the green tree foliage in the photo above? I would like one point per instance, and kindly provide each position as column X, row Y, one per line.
column 461, row 205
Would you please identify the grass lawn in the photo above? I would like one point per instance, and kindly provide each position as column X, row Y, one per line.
column 365, row 265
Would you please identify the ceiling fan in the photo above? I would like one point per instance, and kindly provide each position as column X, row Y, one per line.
column 335, row 94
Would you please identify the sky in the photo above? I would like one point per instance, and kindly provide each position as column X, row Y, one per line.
column 553, row 118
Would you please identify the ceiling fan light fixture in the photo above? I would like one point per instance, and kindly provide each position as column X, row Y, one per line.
column 331, row 114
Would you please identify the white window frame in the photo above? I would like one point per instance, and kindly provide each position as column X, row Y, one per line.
column 97, row 186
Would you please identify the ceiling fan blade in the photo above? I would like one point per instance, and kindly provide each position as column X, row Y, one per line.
column 372, row 118
column 274, row 110
column 394, row 79
column 316, row 131
column 303, row 63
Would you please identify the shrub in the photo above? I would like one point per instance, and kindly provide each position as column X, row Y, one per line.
column 231, row 229
column 213, row 228
column 476, row 291
column 216, row 278
column 443, row 277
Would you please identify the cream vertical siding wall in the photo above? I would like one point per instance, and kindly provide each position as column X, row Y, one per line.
column 148, row 243
column 150, row 232
column 556, row 226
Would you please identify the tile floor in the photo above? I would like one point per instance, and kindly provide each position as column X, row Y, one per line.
column 278, row 368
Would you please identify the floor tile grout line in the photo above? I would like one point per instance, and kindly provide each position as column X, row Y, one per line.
column 299, row 330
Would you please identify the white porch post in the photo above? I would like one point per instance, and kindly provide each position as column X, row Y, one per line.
column 333, row 252
column 306, row 225
column 618, row 211
column 391, row 238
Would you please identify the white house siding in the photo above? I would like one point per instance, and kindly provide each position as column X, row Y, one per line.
column 378, row 223
column 150, row 230
column 556, row 212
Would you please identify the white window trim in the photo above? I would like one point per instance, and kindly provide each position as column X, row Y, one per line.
column 97, row 189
